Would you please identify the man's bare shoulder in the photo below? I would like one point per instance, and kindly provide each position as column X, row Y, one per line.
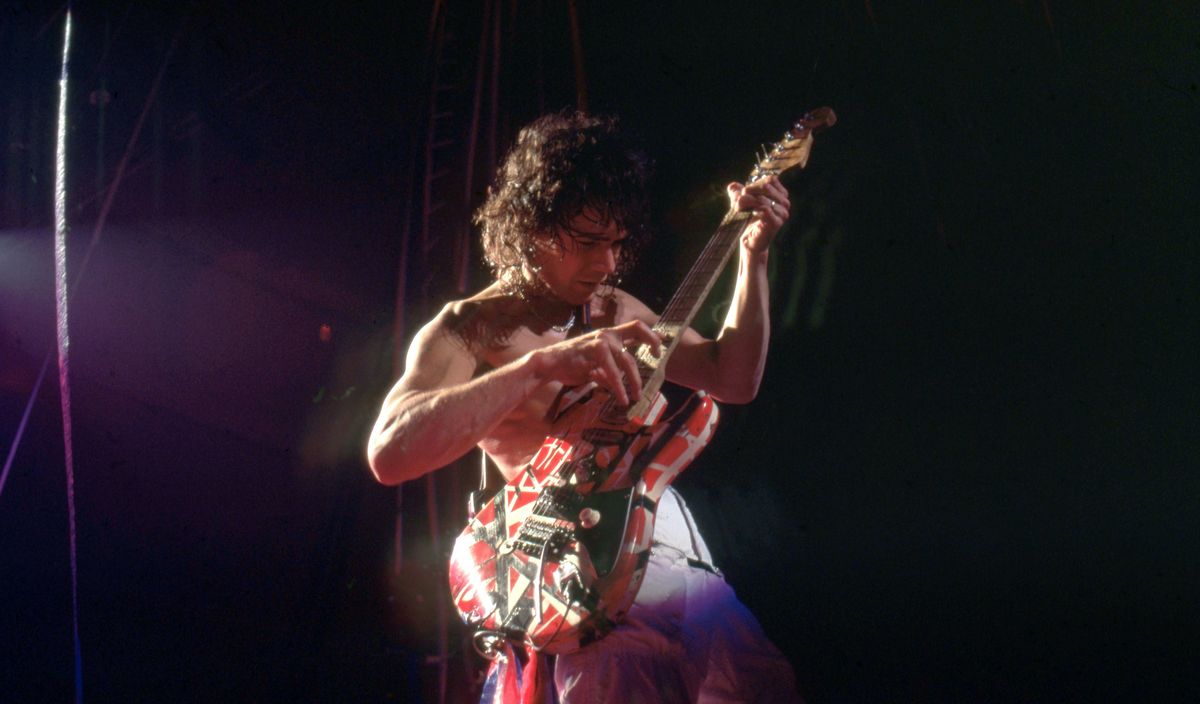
column 619, row 306
column 480, row 321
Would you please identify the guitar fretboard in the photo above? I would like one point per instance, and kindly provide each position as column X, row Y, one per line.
column 683, row 306
column 681, row 310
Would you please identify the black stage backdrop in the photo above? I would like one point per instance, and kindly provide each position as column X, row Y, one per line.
column 970, row 475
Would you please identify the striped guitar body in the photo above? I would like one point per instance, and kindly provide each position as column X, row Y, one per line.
column 556, row 558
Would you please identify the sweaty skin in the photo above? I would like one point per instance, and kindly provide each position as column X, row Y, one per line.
column 495, row 393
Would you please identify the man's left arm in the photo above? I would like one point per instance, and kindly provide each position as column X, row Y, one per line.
column 730, row 367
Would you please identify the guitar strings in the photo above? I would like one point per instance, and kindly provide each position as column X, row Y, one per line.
column 715, row 251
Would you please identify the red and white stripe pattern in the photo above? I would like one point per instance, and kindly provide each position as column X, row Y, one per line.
column 495, row 584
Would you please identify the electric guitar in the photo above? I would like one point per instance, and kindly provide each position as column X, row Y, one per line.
column 556, row 558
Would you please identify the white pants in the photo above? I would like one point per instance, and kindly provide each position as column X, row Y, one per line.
column 685, row 639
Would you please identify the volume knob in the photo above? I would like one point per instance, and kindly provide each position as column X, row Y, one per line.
column 589, row 517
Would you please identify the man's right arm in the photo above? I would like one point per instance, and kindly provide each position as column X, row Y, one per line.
column 436, row 411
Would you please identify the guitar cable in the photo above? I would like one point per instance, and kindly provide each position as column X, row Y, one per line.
column 475, row 498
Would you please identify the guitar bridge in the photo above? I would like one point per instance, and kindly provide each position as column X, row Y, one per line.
column 542, row 533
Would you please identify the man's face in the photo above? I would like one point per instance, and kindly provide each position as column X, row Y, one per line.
column 576, row 262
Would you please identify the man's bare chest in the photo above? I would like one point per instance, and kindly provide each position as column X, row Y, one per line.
column 513, row 441
column 534, row 409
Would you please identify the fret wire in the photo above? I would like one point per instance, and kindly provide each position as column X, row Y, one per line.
column 702, row 269
column 683, row 305
column 708, row 260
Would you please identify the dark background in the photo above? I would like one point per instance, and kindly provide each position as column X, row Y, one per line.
column 970, row 475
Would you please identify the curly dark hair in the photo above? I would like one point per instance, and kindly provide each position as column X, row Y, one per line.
column 560, row 164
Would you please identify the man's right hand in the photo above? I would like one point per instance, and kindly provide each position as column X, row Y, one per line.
column 602, row 356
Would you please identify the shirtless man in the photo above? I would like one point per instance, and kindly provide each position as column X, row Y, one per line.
column 561, row 222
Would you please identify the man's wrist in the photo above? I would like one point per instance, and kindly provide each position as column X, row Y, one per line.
column 533, row 368
column 753, row 254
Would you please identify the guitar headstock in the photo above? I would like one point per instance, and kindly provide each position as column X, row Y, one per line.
column 792, row 151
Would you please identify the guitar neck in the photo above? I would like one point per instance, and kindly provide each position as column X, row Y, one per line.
column 791, row 152
column 685, row 304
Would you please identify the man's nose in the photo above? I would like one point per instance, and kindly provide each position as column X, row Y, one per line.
column 607, row 259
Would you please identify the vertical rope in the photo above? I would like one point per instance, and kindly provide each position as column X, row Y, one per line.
column 12, row 449
column 110, row 194
column 119, row 175
column 581, row 96
column 64, row 341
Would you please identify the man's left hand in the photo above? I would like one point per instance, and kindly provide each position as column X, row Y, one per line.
column 768, row 200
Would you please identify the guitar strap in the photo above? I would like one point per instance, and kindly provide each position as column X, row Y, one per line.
column 584, row 316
